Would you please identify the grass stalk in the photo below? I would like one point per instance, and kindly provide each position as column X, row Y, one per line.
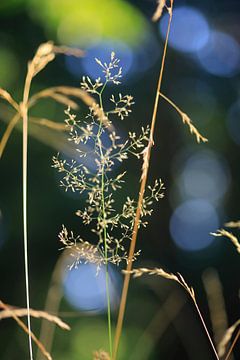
column 44, row 54
column 8, row 132
column 141, row 195
column 24, row 110
column 52, row 304
column 105, row 230
column 233, row 344
column 106, row 266
column 26, row 329
column 205, row 328
column 109, row 312
column 180, row 280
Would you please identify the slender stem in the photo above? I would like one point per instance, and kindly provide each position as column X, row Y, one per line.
column 26, row 329
column 206, row 330
column 109, row 312
column 171, row 103
column 233, row 344
column 8, row 132
column 106, row 261
column 140, row 200
column 52, row 304
column 25, row 231
column 105, row 229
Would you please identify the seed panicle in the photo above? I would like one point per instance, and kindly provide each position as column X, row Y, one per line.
column 110, row 223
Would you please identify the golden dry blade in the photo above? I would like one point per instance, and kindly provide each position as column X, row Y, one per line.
column 233, row 224
column 34, row 313
column 76, row 92
column 159, row 10
column 230, row 236
column 179, row 279
column 48, row 123
column 62, row 99
column 216, row 303
column 6, row 96
column 226, row 338
column 30, row 333
column 186, row 120
column 8, row 133
column 68, row 51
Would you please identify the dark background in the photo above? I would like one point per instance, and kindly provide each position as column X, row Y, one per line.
column 210, row 98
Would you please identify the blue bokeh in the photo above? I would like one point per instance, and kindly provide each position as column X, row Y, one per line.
column 85, row 289
column 191, row 224
column 189, row 29
column 221, row 55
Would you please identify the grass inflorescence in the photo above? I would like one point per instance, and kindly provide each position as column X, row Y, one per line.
column 101, row 183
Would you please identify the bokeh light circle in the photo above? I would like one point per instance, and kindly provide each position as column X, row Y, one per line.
column 102, row 51
column 191, row 223
column 205, row 175
column 134, row 60
column 189, row 30
column 85, row 289
column 221, row 55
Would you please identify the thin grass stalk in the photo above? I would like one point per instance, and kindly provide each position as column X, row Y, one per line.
column 106, row 268
column 233, row 344
column 44, row 54
column 140, row 199
column 26, row 329
column 8, row 132
column 52, row 304
column 24, row 109
column 186, row 120
column 216, row 303
column 180, row 280
column 105, row 237
column 205, row 328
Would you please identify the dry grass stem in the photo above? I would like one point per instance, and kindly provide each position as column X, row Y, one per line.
column 146, row 154
column 8, row 132
column 233, row 224
column 68, row 51
column 146, row 158
column 226, row 338
column 60, row 94
column 62, row 99
column 180, row 280
column 230, row 236
column 101, row 355
column 34, row 313
column 54, row 94
column 48, row 123
column 216, row 303
column 6, row 96
column 159, row 10
column 64, row 92
column 160, row 272
column 228, row 356
column 186, row 120
column 52, row 303
column 48, row 132
column 44, row 55
column 25, row 328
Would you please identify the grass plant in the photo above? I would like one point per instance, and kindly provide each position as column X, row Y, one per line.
column 115, row 226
